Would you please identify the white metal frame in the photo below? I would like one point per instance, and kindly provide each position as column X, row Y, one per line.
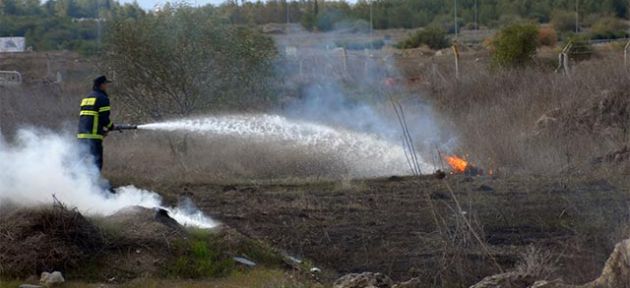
column 10, row 78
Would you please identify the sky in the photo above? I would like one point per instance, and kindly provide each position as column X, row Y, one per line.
column 149, row 4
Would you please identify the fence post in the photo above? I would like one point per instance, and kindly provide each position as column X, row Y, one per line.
column 625, row 54
column 563, row 59
column 345, row 60
column 456, row 54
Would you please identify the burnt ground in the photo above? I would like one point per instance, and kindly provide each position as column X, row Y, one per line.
column 386, row 225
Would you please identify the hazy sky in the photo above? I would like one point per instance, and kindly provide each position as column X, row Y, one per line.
column 149, row 4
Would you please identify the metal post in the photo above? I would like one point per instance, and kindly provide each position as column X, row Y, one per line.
column 345, row 61
column 563, row 59
column 456, row 54
column 476, row 17
column 371, row 19
column 456, row 24
column 577, row 16
column 286, row 5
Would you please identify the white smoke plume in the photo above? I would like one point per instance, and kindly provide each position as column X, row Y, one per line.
column 354, row 88
column 41, row 166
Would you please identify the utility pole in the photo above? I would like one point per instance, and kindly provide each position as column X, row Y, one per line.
column 286, row 7
column 455, row 18
column 98, row 25
column 577, row 16
column 371, row 18
column 476, row 17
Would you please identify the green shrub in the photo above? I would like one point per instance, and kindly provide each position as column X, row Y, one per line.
column 547, row 36
column 609, row 28
column 433, row 37
column 308, row 21
column 374, row 44
column 581, row 49
column 563, row 21
column 207, row 254
column 200, row 256
column 515, row 45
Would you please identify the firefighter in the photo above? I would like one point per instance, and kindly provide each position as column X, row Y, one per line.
column 94, row 122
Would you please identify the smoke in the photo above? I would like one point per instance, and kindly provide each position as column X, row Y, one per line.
column 353, row 89
column 41, row 166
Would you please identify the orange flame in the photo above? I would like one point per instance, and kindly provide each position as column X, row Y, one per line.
column 458, row 165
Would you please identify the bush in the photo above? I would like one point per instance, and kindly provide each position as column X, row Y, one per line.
column 207, row 254
column 433, row 37
column 374, row 44
column 201, row 256
column 563, row 21
column 581, row 48
column 515, row 45
column 547, row 36
column 609, row 28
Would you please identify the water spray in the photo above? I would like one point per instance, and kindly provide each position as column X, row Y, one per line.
column 366, row 154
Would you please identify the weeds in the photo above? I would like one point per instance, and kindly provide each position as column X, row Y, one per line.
column 200, row 256
column 206, row 254
column 46, row 239
column 497, row 115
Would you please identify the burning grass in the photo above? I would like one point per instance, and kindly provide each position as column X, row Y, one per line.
column 535, row 120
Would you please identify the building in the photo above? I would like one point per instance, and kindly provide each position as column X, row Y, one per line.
column 12, row 44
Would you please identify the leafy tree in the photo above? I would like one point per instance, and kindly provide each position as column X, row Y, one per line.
column 434, row 37
column 609, row 28
column 547, row 36
column 581, row 48
column 515, row 45
column 182, row 61
column 563, row 21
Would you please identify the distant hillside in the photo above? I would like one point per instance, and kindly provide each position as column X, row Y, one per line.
column 79, row 25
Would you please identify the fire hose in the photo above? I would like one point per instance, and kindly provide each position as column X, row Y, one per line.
column 122, row 127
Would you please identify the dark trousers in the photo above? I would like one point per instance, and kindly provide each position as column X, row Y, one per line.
column 95, row 149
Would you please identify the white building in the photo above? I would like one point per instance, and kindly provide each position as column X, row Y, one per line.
column 11, row 44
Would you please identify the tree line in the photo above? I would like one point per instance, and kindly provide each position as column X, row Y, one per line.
column 386, row 14
column 75, row 25
column 80, row 24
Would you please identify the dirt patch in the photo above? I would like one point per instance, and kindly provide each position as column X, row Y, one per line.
column 386, row 226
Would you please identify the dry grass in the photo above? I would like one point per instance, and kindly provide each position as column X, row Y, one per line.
column 49, row 106
column 168, row 158
column 495, row 114
column 46, row 239
column 255, row 278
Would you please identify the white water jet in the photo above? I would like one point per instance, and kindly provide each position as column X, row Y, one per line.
column 366, row 154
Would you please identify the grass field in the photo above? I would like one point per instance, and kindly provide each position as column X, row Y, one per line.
column 557, row 146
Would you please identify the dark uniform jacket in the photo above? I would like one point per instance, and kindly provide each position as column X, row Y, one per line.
column 94, row 116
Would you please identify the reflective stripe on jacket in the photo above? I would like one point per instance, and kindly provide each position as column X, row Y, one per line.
column 94, row 116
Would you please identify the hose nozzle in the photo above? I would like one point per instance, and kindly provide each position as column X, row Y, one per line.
column 121, row 127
